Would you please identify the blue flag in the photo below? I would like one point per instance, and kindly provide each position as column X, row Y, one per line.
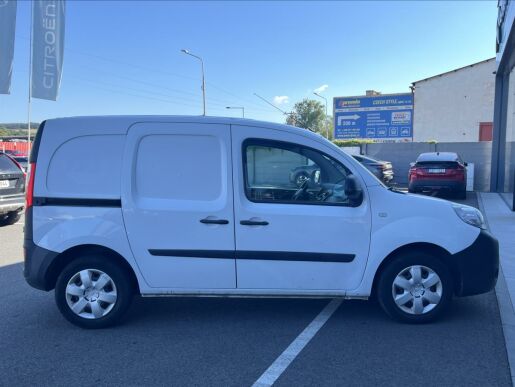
column 7, row 29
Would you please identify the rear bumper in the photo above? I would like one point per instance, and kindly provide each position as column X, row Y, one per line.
column 436, row 185
column 37, row 264
column 38, row 260
column 476, row 268
column 11, row 203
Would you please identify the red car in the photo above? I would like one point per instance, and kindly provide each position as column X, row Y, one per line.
column 439, row 171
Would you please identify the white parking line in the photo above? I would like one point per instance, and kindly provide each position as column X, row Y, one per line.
column 280, row 364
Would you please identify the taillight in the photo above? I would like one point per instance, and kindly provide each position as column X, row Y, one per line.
column 29, row 193
column 412, row 173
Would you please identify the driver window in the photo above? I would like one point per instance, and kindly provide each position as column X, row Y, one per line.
column 277, row 172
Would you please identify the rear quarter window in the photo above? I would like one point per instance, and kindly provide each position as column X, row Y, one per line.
column 87, row 166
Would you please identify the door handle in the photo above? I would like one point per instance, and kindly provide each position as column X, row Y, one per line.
column 214, row 221
column 253, row 222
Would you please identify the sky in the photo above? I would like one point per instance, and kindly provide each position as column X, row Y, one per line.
column 123, row 57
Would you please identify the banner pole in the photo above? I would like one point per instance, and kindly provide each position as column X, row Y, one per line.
column 30, row 77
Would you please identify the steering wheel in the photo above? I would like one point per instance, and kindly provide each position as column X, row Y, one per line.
column 301, row 191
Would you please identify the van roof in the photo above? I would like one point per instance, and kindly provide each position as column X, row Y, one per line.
column 124, row 119
column 112, row 124
column 438, row 156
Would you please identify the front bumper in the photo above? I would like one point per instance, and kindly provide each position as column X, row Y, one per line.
column 476, row 268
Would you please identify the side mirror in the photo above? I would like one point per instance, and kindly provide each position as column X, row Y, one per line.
column 353, row 190
column 465, row 164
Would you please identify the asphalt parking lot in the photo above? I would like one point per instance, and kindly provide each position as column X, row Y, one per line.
column 231, row 342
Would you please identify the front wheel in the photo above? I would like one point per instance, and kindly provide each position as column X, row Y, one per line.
column 93, row 292
column 415, row 288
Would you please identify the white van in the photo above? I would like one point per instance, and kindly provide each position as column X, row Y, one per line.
column 205, row 206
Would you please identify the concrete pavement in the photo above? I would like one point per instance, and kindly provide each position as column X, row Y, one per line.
column 501, row 221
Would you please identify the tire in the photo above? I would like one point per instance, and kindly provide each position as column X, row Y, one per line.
column 9, row 218
column 412, row 296
column 97, row 307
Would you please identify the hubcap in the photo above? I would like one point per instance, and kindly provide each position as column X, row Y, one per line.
column 91, row 293
column 417, row 289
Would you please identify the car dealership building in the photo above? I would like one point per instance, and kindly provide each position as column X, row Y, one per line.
column 503, row 152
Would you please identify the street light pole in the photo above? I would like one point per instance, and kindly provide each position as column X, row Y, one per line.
column 203, row 77
column 326, row 126
column 242, row 108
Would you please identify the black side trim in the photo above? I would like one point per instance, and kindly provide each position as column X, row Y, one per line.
column 228, row 254
column 294, row 256
column 35, row 146
column 258, row 255
column 75, row 202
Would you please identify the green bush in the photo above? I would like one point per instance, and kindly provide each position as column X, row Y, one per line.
column 352, row 142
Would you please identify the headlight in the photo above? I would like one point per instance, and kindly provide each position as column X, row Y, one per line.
column 470, row 215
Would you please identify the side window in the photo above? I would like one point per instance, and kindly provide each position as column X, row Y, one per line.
column 180, row 167
column 277, row 172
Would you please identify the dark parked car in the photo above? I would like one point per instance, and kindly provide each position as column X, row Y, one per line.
column 381, row 169
column 12, row 188
column 439, row 171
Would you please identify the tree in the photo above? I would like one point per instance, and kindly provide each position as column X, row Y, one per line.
column 308, row 114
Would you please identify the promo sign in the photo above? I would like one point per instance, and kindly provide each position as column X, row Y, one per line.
column 375, row 117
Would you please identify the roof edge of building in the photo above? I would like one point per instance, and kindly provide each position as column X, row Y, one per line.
column 453, row 71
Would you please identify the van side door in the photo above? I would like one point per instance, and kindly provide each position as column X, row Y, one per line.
column 296, row 229
column 177, row 201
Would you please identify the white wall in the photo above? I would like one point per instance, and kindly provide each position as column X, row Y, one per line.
column 449, row 108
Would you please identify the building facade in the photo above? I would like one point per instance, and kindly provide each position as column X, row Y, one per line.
column 456, row 106
column 503, row 150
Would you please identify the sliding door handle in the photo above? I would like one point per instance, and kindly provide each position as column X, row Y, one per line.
column 253, row 222
column 214, row 221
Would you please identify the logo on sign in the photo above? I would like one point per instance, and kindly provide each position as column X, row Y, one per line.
column 394, row 131
column 401, row 117
column 405, row 132
column 381, row 132
column 371, row 132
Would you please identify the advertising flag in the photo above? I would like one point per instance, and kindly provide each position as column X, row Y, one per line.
column 7, row 29
column 47, row 48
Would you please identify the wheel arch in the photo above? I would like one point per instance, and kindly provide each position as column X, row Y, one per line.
column 76, row 252
column 437, row 251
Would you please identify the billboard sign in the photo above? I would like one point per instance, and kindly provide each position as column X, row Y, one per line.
column 380, row 117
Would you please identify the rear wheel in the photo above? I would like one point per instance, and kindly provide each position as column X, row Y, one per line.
column 9, row 218
column 416, row 287
column 93, row 292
